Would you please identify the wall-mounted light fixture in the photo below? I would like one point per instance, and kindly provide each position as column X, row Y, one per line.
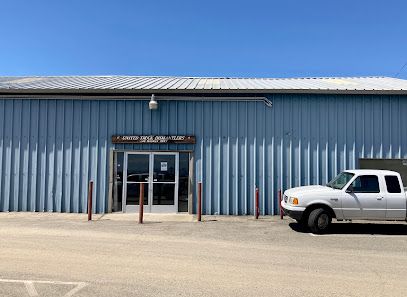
column 153, row 104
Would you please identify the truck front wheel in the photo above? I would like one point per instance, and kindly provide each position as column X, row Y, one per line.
column 319, row 221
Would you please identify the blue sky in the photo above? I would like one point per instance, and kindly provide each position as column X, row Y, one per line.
column 253, row 38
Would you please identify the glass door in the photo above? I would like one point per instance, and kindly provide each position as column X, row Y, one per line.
column 158, row 173
column 137, row 173
column 164, row 188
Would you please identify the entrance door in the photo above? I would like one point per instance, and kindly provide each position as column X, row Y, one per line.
column 158, row 174
column 136, row 174
column 164, row 187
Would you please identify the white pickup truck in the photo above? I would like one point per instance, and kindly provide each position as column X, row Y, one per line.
column 352, row 195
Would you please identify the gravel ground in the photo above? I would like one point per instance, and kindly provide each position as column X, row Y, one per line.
column 64, row 255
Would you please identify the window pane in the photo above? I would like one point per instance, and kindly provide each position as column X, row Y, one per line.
column 392, row 184
column 163, row 194
column 183, row 182
column 164, row 168
column 366, row 184
column 340, row 180
column 117, row 180
column 138, row 168
column 133, row 194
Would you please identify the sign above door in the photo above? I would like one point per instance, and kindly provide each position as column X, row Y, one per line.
column 149, row 139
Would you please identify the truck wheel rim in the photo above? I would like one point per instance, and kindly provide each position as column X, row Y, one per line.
column 323, row 221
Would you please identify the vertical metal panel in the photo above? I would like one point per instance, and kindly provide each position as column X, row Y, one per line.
column 50, row 149
column 2, row 152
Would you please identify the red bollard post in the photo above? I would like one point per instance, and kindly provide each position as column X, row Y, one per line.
column 281, row 209
column 90, row 193
column 256, row 207
column 141, row 204
column 199, row 202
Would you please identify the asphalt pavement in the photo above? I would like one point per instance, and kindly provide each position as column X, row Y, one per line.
column 49, row 254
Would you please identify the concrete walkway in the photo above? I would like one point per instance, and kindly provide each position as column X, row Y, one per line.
column 148, row 217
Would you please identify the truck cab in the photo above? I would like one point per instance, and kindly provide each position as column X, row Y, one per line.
column 352, row 195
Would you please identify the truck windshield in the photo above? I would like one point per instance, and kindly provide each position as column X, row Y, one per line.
column 340, row 180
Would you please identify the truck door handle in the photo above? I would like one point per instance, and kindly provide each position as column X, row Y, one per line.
column 379, row 198
column 334, row 199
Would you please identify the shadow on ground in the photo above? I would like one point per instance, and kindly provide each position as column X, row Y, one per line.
column 360, row 228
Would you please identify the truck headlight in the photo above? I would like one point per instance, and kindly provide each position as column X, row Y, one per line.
column 293, row 201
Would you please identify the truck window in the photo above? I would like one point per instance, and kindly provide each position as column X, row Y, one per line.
column 392, row 184
column 340, row 180
column 366, row 184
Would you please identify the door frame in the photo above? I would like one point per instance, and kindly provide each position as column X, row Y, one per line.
column 150, row 207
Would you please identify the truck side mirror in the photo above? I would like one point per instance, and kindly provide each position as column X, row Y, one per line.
column 349, row 189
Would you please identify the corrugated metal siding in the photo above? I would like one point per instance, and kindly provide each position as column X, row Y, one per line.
column 50, row 149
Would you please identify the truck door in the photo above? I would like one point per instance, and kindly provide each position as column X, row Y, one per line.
column 351, row 207
column 396, row 199
column 364, row 199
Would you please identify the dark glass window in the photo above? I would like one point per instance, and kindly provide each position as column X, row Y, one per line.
column 183, row 182
column 133, row 193
column 138, row 168
column 163, row 194
column 366, row 184
column 118, row 158
column 392, row 184
column 164, row 168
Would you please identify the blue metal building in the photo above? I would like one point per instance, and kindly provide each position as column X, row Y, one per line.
column 231, row 134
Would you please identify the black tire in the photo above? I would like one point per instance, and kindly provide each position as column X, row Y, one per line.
column 319, row 221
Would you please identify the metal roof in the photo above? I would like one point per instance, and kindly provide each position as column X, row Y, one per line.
column 188, row 85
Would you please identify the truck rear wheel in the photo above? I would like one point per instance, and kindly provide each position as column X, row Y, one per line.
column 319, row 221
